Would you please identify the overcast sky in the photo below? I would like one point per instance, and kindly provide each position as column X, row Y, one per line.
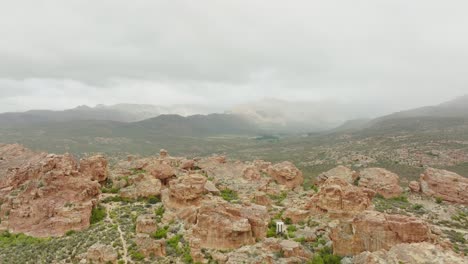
column 393, row 53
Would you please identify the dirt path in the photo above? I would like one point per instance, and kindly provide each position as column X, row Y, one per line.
column 122, row 239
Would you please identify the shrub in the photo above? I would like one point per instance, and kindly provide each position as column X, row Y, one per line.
column 97, row 214
column 137, row 255
column 439, row 200
column 153, row 200
column 160, row 233
column 325, row 256
column 70, row 232
column 229, row 195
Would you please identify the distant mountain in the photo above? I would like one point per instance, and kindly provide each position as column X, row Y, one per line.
column 119, row 113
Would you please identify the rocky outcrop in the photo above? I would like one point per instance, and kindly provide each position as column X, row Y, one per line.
column 410, row 253
column 382, row 181
column 225, row 226
column 445, row 184
column 94, row 167
column 251, row 173
column 186, row 190
column 146, row 224
column 285, row 173
column 414, row 186
column 296, row 215
column 372, row 231
column 340, row 172
column 45, row 194
column 150, row 247
column 339, row 198
column 101, row 254
column 161, row 170
column 141, row 186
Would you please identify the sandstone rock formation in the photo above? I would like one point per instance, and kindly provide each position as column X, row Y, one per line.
column 414, row 186
column 445, row 184
column 410, row 253
column 287, row 174
column 251, row 173
column 141, row 186
column 101, row 254
column 373, row 231
column 146, row 223
column 150, row 247
column 95, row 167
column 186, row 190
column 382, row 181
column 45, row 194
column 296, row 215
column 339, row 198
column 225, row 226
column 340, row 172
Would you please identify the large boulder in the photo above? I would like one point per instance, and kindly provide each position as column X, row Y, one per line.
column 141, row 186
column 94, row 167
column 150, row 247
column 187, row 190
column 382, row 181
column 445, row 184
column 372, row 231
column 146, row 223
column 340, row 172
column 45, row 194
column 339, row 198
column 225, row 226
column 285, row 173
column 101, row 254
column 411, row 253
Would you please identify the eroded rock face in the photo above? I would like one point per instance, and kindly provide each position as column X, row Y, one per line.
column 410, row 253
column 45, row 194
column 340, row 172
column 382, row 181
column 372, row 231
column 225, row 226
column 445, row 184
column 285, row 173
column 251, row 173
column 160, row 170
column 414, row 186
column 146, row 224
column 186, row 190
column 150, row 247
column 339, row 198
column 101, row 254
column 141, row 186
column 95, row 167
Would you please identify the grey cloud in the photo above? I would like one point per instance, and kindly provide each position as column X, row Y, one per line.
column 395, row 53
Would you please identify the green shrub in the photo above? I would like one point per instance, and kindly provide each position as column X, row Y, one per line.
column 153, row 200
column 288, row 221
column 70, row 232
column 160, row 233
column 138, row 256
column 229, row 195
column 325, row 256
column 97, row 214
column 439, row 200
column 8, row 239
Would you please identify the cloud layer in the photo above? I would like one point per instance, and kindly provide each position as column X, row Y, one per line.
column 395, row 53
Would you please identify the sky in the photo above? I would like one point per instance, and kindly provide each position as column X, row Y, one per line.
column 392, row 54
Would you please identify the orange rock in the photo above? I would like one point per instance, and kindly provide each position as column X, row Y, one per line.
column 95, row 167
column 382, row 181
column 445, row 184
column 46, row 195
column 339, row 198
column 150, row 247
column 414, row 186
column 341, row 172
column 373, row 231
column 146, row 224
column 285, row 173
column 101, row 254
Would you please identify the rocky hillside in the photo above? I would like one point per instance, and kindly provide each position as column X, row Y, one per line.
column 165, row 209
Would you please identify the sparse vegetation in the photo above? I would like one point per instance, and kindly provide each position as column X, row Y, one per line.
column 229, row 195
column 97, row 214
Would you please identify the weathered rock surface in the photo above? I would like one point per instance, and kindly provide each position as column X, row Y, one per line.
column 418, row 253
column 150, row 247
column 382, row 181
column 186, row 190
column 340, row 172
column 251, row 173
column 146, row 224
column 141, row 186
column 45, row 194
column 414, row 186
column 372, row 231
column 225, row 226
column 296, row 215
column 287, row 174
column 445, row 184
column 95, row 167
column 339, row 198
column 101, row 254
